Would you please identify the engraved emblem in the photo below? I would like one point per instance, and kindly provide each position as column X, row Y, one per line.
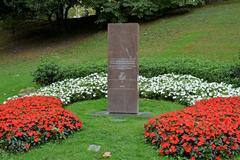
column 126, row 51
column 122, row 76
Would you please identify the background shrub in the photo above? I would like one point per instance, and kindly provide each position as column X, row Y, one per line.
column 235, row 72
column 82, row 70
column 207, row 70
column 47, row 73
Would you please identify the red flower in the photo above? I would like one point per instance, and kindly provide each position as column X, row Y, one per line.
column 34, row 117
column 151, row 120
column 193, row 158
column 235, row 146
column 172, row 149
column 153, row 134
column 36, row 139
column 162, row 153
column 1, row 135
column 165, row 145
column 218, row 158
column 19, row 134
column 174, row 139
column 27, row 146
column 187, row 147
column 197, row 128
column 213, row 146
column 147, row 134
column 201, row 141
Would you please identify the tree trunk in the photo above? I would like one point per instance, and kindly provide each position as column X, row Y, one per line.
column 66, row 11
column 49, row 18
column 60, row 14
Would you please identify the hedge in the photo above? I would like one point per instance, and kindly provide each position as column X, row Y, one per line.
column 49, row 72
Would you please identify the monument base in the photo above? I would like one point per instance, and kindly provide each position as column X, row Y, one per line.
column 139, row 114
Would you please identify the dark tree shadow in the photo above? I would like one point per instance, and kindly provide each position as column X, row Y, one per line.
column 43, row 36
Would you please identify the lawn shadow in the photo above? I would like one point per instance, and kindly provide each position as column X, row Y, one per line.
column 36, row 38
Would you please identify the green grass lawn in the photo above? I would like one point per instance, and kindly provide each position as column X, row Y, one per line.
column 124, row 139
column 211, row 32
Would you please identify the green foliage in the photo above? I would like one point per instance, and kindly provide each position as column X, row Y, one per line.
column 13, row 13
column 207, row 70
column 47, row 73
column 211, row 71
column 235, row 72
column 3, row 9
column 30, row 9
column 140, row 9
column 82, row 70
column 57, row 8
column 123, row 10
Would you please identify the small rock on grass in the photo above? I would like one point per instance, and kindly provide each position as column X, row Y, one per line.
column 94, row 148
column 118, row 120
column 107, row 155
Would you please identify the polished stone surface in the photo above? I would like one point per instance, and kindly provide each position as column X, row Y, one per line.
column 123, row 68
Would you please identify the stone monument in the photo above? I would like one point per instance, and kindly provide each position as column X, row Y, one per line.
column 123, row 39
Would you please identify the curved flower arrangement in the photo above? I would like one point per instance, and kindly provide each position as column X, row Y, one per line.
column 210, row 129
column 30, row 121
column 183, row 88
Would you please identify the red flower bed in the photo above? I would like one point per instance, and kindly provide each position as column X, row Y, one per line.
column 30, row 121
column 210, row 129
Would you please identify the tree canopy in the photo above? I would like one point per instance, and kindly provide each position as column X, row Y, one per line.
column 106, row 10
column 123, row 10
column 30, row 9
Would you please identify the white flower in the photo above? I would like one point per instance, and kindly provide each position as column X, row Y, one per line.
column 183, row 88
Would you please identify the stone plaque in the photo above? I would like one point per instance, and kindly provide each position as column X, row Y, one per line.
column 123, row 68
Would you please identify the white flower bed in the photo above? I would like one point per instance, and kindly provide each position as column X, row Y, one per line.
column 183, row 88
